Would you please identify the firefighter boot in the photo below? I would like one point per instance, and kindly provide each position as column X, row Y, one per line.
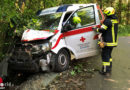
column 106, row 71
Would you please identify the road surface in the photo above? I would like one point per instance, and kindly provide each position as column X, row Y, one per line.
column 120, row 78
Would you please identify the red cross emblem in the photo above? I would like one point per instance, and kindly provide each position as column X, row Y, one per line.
column 82, row 39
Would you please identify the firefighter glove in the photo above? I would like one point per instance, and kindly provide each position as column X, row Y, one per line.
column 102, row 44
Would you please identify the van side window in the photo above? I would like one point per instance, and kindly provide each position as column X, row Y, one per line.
column 66, row 16
column 86, row 17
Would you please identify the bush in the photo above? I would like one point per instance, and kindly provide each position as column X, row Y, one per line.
column 124, row 30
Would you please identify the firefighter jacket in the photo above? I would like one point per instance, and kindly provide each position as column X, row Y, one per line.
column 109, row 30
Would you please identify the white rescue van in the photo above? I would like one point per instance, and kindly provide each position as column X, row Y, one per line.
column 58, row 37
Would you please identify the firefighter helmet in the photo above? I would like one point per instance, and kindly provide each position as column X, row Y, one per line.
column 76, row 20
column 109, row 11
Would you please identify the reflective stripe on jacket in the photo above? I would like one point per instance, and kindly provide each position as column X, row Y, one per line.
column 109, row 30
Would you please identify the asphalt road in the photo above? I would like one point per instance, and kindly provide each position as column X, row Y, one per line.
column 120, row 78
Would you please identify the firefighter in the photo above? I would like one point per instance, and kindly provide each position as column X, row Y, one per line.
column 73, row 23
column 76, row 20
column 109, row 30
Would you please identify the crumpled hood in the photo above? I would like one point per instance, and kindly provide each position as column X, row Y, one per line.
column 31, row 35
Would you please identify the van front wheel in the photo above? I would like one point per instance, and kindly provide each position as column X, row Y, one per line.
column 62, row 60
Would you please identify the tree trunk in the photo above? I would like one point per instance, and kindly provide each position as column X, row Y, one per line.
column 128, row 13
column 101, row 4
column 3, row 27
column 120, row 10
column 111, row 2
column 44, row 3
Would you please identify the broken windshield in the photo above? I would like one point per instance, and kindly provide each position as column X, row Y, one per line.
column 46, row 22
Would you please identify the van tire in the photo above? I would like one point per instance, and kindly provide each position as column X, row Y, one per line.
column 61, row 60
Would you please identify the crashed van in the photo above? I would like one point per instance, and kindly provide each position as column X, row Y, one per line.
column 58, row 38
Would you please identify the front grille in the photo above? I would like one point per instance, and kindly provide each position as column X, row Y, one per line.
column 22, row 53
column 21, row 56
column 26, row 52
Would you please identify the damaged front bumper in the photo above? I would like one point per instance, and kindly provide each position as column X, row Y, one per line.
column 29, row 58
column 30, row 65
column 23, row 66
column 44, row 63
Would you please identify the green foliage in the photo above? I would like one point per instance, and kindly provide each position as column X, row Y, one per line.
column 73, row 73
column 124, row 30
column 77, row 69
column 14, row 16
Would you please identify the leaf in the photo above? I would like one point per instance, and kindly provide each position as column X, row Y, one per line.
column 76, row 67
column 11, row 25
column 72, row 73
column 79, row 70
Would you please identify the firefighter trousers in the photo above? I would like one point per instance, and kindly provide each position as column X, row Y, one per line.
column 107, row 58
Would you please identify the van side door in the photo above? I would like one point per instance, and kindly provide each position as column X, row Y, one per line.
column 80, row 36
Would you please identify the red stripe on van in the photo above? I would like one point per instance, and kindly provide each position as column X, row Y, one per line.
column 73, row 32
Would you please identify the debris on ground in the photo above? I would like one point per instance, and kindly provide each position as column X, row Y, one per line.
column 74, row 78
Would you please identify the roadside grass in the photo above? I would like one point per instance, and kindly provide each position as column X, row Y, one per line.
column 124, row 30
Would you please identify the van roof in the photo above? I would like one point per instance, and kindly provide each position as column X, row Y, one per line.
column 63, row 8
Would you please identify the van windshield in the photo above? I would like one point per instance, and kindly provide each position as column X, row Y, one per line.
column 46, row 22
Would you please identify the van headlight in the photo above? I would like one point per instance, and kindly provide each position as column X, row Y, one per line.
column 46, row 47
